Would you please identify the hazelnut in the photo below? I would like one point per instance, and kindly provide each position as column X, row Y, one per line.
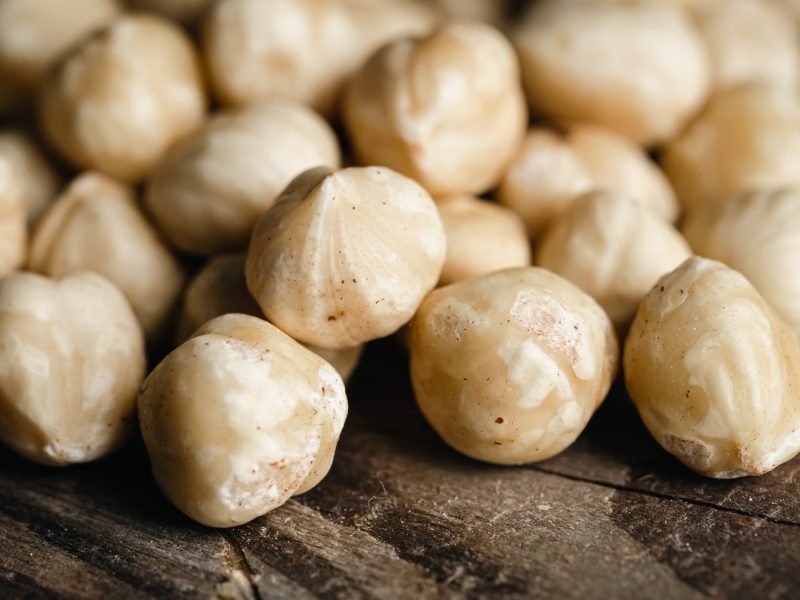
column 613, row 250
column 345, row 257
column 606, row 62
column 482, row 237
column 746, row 138
column 96, row 225
column 238, row 419
column 219, row 288
column 185, row 11
column 509, row 367
column 13, row 230
column 37, row 180
column 212, row 187
column 124, row 96
column 755, row 233
column 553, row 168
column 73, row 359
column 712, row 370
column 447, row 109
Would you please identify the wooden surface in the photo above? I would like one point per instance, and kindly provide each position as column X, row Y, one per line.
column 402, row 516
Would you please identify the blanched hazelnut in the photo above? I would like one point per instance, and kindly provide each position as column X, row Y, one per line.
column 639, row 68
column 509, row 367
column 552, row 169
column 124, row 96
column 757, row 234
column 212, row 187
column 447, row 109
column 73, row 359
column 96, row 225
column 482, row 237
column 13, row 229
column 613, row 250
column 746, row 138
column 345, row 257
column 712, row 370
column 37, row 180
column 219, row 288
column 238, row 419
column 185, row 11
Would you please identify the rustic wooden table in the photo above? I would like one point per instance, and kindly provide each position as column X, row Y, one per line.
column 402, row 516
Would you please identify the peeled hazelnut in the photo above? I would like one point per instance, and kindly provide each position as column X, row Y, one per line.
column 712, row 370
column 509, row 367
column 13, row 230
column 482, row 237
column 96, row 225
column 124, row 96
column 72, row 361
column 185, row 11
column 639, row 68
column 37, row 180
column 447, row 109
column 552, row 169
column 238, row 419
column 345, row 257
column 746, row 138
column 212, row 187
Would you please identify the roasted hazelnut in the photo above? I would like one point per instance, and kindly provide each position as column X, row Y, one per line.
column 345, row 257
column 238, row 419
column 509, row 367
column 73, row 360
column 37, row 180
column 712, row 370
column 13, row 230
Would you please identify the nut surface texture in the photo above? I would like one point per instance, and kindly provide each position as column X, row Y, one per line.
column 38, row 181
column 13, row 228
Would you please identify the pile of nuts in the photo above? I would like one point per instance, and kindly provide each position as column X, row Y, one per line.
column 349, row 170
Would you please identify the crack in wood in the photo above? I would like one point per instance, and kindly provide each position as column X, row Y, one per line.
column 241, row 565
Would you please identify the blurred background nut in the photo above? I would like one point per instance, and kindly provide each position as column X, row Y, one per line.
column 38, row 181
column 553, row 168
column 746, row 138
column 712, row 370
column 185, row 11
column 13, row 229
column 509, row 367
column 482, row 237
column 613, row 250
column 212, row 187
column 639, row 68
column 72, row 357
column 238, row 419
column 493, row 12
column 446, row 109
column 124, row 96
column 757, row 234
column 96, row 225
column 345, row 257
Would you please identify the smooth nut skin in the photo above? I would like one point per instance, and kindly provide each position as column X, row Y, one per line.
column 553, row 168
column 219, row 288
column 482, row 237
column 212, row 187
column 508, row 368
column 97, row 225
column 746, row 138
column 13, row 229
column 613, row 250
column 712, row 370
column 639, row 68
column 124, row 96
column 72, row 362
column 38, row 181
column 185, row 11
column 238, row 419
column 345, row 257
column 757, row 234
column 447, row 110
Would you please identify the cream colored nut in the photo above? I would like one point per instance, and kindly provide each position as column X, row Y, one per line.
column 37, row 180
column 712, row 370
column 757, row 234
column 212, row 187
column 185, row 11
column 613, row 250
column 13, row 229
column 124, row 96
column 72, row 362
column 238, row 419
column 746, row 138
column 638, row 68
column 482, row 237
column 447, row 109
column 345, row 257
column 552, row 169
column 219, row 288
column 509, row 367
